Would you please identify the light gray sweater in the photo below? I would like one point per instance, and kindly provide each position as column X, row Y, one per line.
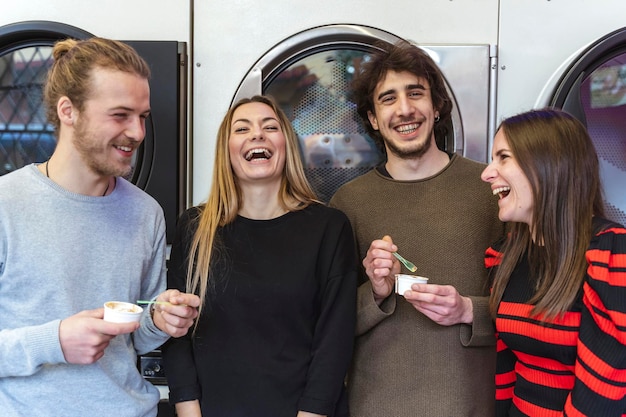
column 61, row 253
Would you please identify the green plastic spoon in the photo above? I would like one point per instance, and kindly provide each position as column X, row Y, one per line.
column 406, row 263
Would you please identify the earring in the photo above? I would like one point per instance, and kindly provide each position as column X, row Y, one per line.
column 437, row 118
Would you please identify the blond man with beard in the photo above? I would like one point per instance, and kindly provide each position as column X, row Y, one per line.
column 75, row 234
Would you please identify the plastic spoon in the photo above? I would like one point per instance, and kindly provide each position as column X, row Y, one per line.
column 406, row 263
column 152, row 302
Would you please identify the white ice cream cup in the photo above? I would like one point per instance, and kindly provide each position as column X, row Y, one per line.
column 121, row 312
column 404, row 282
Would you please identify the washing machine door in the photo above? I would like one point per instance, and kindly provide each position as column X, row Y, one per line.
column 309, row 74
column 25, row 57
column 594, row 90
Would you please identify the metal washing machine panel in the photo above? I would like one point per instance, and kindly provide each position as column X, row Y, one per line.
column 309, row 74
column 538, row 40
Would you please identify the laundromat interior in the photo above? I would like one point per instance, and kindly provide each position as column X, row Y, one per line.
column 499, row 58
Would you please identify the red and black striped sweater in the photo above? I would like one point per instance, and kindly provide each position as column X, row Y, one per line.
column 574, row 365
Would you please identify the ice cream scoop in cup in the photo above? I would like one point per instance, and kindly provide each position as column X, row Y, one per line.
column 121, row 312
column 404, row 282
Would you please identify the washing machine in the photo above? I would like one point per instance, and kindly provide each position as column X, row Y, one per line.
column 305, row 56
column 571, row 55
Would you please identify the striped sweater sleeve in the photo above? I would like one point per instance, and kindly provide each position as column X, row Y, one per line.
column 505, row 377
column 600, row 369
column 505, row 365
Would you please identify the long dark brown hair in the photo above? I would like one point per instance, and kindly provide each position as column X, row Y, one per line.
column 556, row 154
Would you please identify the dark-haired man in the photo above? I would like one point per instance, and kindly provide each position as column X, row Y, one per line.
column 430, row 351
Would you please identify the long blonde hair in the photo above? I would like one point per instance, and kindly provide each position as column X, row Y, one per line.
column 225, row 197
column 556, row 154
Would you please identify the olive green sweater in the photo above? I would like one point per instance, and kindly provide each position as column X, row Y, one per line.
column 404, row 364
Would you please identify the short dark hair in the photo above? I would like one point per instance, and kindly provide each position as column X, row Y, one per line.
column 400, row 57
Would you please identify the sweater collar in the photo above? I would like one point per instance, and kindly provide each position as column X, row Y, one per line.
column 382, row 169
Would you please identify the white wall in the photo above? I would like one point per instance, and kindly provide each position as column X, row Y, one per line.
column 117, row 19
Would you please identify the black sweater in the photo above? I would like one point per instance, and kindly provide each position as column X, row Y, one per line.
column 277, row 332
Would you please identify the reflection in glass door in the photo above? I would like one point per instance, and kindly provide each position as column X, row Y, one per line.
column 594, row 90
column 314, row 93
column 25, row 136
column 603, row 98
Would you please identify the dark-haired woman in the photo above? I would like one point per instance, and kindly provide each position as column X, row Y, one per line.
column 559, row 279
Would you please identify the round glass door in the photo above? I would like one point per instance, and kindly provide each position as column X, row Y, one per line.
column 314, row 93
column 594, row 90
column 25, row 136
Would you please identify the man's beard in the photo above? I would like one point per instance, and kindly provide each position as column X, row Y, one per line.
column 414, row 152
column 94, row 153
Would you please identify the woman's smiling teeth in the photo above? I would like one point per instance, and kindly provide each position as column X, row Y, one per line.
column 501, row 191
column 258, row 153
